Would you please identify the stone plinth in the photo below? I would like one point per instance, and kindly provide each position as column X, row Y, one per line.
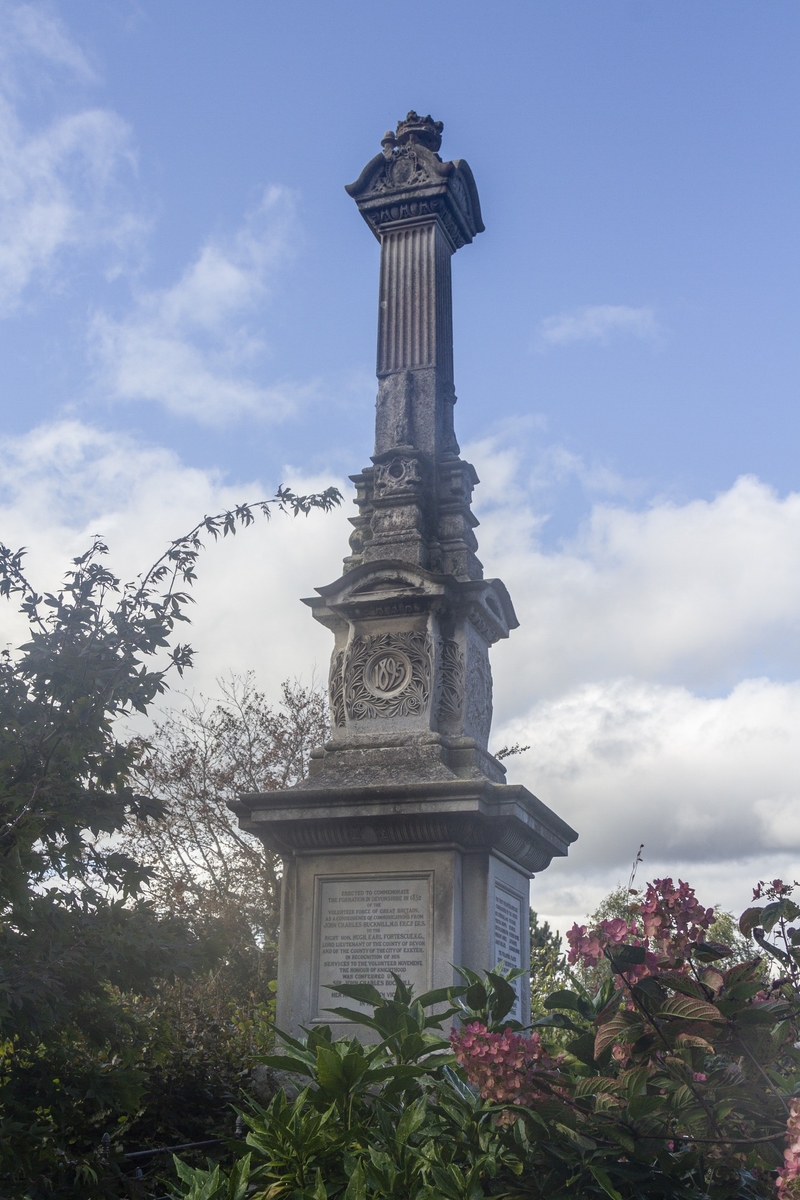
column 416, row 877
column 405, row 849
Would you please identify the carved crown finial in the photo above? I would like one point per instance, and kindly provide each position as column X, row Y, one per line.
column 421, row 131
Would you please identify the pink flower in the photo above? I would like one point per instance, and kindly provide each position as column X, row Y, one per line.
column 501, row 1065
column 617, row 931
column 586, row 947
column 788, row 1181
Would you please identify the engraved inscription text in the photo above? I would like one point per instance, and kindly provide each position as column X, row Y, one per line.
column 369, row 927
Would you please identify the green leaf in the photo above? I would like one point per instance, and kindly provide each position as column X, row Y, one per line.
column 780, row 910
column 441, row 996
column 682, row 983
column 330, row 1072
column 605, row 1183
column 711, row 951
column 556, row 1020
column 583, row 1049
column 750, row 918
column 648, row 989
column 571, row 1000
column 504, row 997
column 357, row 1185
column 635, row 1081
column 412, row 1119
column 624, row 956
column 584, row 1144
column 352, row 1014
column 758, row 1014
column 239, row 1179
column 647, row 1106
column 365, row 993
column 285, row 1062
column 413, row 1046
column 475, row 996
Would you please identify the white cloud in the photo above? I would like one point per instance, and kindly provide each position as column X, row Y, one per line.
column 62, row 483
column 28, row 33
column 186, row 346
column 710, row 785
column 598, row 323
column 702, row 593
column 60, row 184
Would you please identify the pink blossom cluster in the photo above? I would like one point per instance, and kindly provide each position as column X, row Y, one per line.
column 501, row 1066
column 666, row 920
column 672, row 917
column 788, row 1181
column 774, row 890
column 588, row 946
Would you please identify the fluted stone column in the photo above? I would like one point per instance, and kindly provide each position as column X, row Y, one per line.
column 405, row 849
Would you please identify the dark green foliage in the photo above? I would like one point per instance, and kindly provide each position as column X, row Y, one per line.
column 75, row 934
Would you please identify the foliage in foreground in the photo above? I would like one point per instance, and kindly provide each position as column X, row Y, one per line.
column 674, row 1080
column 75, row 934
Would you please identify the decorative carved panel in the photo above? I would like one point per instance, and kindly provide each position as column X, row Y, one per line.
column 336, row 689
column 403, row 170
column 451, row 701
column 400, row 473
column 387, row 675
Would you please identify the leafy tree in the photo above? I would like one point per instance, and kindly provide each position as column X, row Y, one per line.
column 74, row 930
column 547, row 962
column 203, row 867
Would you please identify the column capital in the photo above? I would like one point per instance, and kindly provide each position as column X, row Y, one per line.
column 409, row 184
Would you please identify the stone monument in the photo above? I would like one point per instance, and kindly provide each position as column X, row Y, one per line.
column 405, row 850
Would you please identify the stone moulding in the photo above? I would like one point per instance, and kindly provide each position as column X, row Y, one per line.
column 393, row 586
column 473, row 816
column 413, row 183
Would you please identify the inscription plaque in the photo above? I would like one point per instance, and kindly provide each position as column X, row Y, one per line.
column 507, row 938
column 369, row 927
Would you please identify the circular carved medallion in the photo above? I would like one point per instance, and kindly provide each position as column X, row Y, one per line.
column 387, row 674
column 404, row 170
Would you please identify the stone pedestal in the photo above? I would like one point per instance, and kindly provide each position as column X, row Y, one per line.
column 417, row 878
column 405, row 849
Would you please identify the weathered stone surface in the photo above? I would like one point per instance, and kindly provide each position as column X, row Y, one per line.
column 405, row 835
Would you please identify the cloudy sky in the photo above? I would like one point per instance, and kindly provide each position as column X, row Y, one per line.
column 187, row 319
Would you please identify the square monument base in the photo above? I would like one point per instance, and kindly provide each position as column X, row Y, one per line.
column 416, row 877
column 354, row 917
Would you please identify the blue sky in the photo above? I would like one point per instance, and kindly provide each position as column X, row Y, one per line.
column 187, row 317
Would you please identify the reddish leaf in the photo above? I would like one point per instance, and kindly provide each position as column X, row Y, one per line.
column 622, row 1024
column 689, row 1008
column 691, row 1039
column 750, row 918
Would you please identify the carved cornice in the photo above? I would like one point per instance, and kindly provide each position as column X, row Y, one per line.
column 408, row 182
column 500, row 818
column 391, row 587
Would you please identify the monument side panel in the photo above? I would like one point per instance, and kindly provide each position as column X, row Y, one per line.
column 368, row 926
